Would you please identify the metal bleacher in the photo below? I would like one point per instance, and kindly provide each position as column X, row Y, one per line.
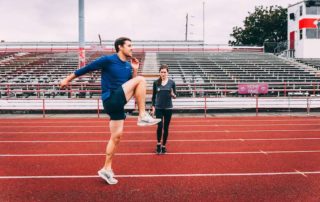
column 210, row 72
column 314, row 62
column 36, row 74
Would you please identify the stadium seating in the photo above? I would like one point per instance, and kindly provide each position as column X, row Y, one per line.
column 212, row 71
column 23, row 73
column 314, row 62
column 37, row 74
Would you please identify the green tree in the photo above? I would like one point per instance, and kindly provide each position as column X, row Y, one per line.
column 264, row 25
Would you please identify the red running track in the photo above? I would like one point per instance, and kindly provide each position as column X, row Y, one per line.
column 209, row 159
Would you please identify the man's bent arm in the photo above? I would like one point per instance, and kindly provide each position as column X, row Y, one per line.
column 66, row 81
column 135, row 67
column 134, row 73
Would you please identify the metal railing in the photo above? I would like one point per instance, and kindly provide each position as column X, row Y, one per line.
column 139, row 46
column 204, row 105
column 230, row 89
column 199, row 99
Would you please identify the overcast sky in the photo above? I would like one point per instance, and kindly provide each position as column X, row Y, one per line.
column 57, row 20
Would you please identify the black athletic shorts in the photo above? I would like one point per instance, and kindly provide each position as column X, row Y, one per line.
column 114, row 104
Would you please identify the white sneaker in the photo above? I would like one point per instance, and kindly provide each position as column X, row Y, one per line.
column 108, row 176
column 147, row 120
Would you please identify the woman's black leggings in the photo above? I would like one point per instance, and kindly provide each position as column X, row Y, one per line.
column 165, row 116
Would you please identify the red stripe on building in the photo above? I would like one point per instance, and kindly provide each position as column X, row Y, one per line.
column 308, row 23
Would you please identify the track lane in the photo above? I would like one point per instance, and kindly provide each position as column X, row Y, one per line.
column 245, row 188
column 164, row 164
column 214, row 145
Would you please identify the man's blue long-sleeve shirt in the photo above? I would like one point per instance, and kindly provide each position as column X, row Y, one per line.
column 114, row 72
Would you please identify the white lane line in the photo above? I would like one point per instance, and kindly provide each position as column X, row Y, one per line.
column 301, row 173
column 151, row 131
column 164, row 175
column 134, row 126
column 173, row 120
column 265, row 153
column 147, row 141
column 152, row 154
column 223, row 174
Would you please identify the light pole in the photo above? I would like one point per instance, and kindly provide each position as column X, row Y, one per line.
column 203, row 24
column 186, row 34
column 82, row 56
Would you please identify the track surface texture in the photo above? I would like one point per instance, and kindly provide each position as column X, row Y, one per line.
column 208, row 159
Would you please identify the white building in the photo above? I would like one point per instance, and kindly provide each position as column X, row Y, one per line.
column 304, row 29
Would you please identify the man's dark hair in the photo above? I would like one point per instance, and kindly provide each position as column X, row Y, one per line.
column 120, row 41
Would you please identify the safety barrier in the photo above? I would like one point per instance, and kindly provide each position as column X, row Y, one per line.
column 201, row 104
